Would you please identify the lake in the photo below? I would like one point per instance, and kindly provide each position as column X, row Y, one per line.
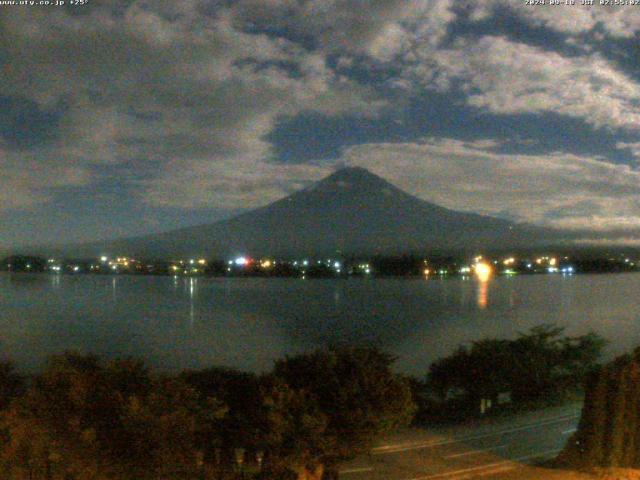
column 176, row 323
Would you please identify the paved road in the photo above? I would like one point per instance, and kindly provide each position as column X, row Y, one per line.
column 483, row 449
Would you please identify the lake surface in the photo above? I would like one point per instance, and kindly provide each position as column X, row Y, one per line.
column 176, row 323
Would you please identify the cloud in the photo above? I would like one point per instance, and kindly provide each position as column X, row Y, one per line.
column 174, row 101
column 227, row 183
column 633, row 147
column 351, row 27
column 27, row 181
column 558, row 189
column 162, row 92
column 505, row 77
column 616, row 21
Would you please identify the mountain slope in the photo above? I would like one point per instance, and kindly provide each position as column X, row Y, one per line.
column 352, row 210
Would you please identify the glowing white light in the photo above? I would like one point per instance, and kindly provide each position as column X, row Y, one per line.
column 103, row 258
column 241, row 261
column 76, row 268
column 336, row 264
column 305, row 262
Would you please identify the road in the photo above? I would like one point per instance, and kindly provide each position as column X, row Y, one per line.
column 484, row 449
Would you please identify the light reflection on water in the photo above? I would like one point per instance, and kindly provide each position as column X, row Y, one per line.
column 483, row 293
column 177, row 322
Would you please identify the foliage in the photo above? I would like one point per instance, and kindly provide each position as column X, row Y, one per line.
column 85, row 418
column 12, row 384
column 295, row 429
column 89, row 420
column 609, row 431
column 539, row 364
column 244, row 423
column 356, row 390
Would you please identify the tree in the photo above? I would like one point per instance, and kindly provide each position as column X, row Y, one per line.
column 244, row 421
column 11, row 383
column 608, row 434
column 295, row 431
column 90, row 420
column 357, row 392
column 539, row 364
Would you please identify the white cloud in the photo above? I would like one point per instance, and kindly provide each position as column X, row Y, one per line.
column 505, row 77
column 187, row 98
column 633, row 147
column 162, row 89
column 616, row 21
column 558, row 189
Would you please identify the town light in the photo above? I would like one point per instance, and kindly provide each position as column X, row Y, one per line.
column 241, row 261
column 483, row 271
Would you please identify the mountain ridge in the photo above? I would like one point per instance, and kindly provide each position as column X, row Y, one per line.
column 350, row 211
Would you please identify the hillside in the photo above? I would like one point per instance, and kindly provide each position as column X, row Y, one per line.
column 351, row 210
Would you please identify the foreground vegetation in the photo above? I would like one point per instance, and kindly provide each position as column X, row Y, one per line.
column 539, row 367
column 609, row 431
column 84, row 418
column 87, row 418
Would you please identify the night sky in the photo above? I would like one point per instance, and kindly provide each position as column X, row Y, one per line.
column 151, row 115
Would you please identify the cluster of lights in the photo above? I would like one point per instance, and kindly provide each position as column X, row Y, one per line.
column 365, row 267
column 483, row 268
column 551, row 261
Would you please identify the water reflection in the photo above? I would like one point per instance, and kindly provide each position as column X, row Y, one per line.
column 248, row 323
column 192, row 292
column 483, row 293
column 114, row 288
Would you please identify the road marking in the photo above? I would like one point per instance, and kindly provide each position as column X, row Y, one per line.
column 571, row 430
column 489, row 468
column 504, row 463
column 356, row 470
column 475, row 452
column 434, row 443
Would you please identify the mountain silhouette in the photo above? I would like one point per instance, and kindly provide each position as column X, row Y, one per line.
column 350, row 211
